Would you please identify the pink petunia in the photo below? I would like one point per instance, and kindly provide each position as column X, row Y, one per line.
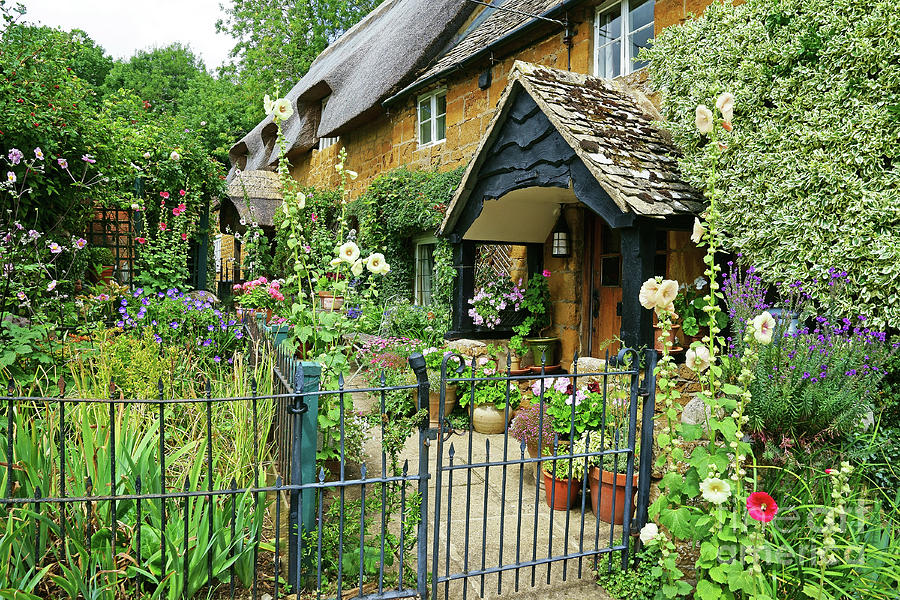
column 761, row 506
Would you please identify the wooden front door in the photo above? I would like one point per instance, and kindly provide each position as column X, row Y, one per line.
column 605, row 289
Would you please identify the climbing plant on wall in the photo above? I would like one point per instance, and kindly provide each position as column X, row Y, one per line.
column 396, row 208
column 810, row 179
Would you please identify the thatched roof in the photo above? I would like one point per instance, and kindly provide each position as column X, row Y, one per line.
column 610, row 128
column 371, row 61
column 253, row 196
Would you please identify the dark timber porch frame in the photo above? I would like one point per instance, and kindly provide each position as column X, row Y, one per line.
column 528, row 151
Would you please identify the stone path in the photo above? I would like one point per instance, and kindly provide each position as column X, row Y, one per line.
column 494, row 514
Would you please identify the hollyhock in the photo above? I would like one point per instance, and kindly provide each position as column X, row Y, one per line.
column 763, row 327
column 668, row 291
column 164, row 195
column 697, row 359
column 699, row 231
column 141, row 240
column 282, row 109
column 181, row 192
column 649, row 294
column 268, row 105
column 349, row 252
column 715, row 490
column 184, row 236
column 725, row 104
column 649, row 533
column 162, row 227
column 546, row 273
column 761, row 506
column 704, row 119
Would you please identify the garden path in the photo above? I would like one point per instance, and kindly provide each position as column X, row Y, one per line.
column 493, row 516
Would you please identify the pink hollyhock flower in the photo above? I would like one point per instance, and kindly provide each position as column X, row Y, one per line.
column 181, row 192
column 162, row 226
column 164, row 195
column 546, row 273
column 761, row 506
column 141, row 240
column 263, row 280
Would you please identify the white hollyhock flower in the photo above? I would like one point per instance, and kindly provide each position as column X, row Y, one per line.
column 763, row 327
column 715, row 490
column 336, row 261
column 668, row 291
column 649, row 533
column 699, row 231
column 349, row 252
column 376, row 263
column 649, row 294
column 282, row 109
column 301, row 200
column 352, row 174
column 725, row 104
column 697, row 359
column 704, row 119
column 357, row 267
column 268, row 105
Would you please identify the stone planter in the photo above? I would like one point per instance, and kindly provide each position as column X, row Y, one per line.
column 602, row 484
column 488, row 419
column 434, row 403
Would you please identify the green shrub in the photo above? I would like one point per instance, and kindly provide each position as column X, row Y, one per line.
column 809, row 179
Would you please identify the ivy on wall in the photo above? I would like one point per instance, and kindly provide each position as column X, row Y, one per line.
column 397, row 207
column 811, row 178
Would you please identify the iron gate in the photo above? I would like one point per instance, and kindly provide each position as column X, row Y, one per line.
column 463, row 554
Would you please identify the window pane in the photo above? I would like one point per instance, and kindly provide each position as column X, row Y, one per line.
column 425, row 132
column 611, row 271
column 441, row 104
column 611, row 24
column 641, row 14
column 640, row 39
column 440, row 128
column 425, row 110
column 610, row 60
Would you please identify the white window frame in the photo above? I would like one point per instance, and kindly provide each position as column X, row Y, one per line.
column 432, row 98
column 328, row 141
column 424, row 240
column 625, row 57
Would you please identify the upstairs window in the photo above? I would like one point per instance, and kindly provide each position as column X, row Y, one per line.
column 621, row 30
column 432, row 118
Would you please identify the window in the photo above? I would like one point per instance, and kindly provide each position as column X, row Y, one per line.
column 424, row 270
column 621, row 30
column 331, row 141
column 433, row 118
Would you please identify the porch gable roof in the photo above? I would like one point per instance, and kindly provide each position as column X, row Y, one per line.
column 609, row 127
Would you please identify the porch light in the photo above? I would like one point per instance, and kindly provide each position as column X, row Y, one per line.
column 561, row 238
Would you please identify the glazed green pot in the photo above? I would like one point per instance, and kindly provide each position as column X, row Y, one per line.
column 543, row 346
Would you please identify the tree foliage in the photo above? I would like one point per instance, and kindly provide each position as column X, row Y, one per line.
column 276, row 42
column 811, row 178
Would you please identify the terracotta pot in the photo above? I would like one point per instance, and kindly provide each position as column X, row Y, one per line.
column 533, row 467
column 434, row 403
column 602, row 485
column 329, row 302
column 674, row 333
column 488, row 419
column 106, row 274
column 562, row 494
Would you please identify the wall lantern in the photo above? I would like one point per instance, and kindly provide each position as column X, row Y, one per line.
column 562, row 239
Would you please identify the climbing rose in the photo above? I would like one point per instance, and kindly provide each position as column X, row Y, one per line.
column 699, row 231
column 697, row 360
column 649, row 533
column 725, row 104
column 704, row 119
column 761, row 506
column 763, row 327
column 715, row 490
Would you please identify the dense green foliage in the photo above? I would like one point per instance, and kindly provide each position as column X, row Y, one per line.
column 276, row 42
column 810, row 178
column 396, row 208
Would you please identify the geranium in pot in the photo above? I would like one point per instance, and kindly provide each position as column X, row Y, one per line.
column 258, row 296
column 489, row 396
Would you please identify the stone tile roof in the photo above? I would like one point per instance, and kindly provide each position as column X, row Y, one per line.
column 490, row 27
column 610, row 127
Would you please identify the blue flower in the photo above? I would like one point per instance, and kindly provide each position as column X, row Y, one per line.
column 217, row 359
column 157, row 339
column 210, row 328
column 238, row 334
column 174, row 324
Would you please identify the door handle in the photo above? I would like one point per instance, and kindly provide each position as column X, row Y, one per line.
column 595, row 301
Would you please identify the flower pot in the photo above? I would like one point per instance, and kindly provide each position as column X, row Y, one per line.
column 488, row 419
column 674, row 334
column 562, row 494
column 106, row 273
column 543, row 347
column 329, row 302
column 434, row 403
column 602, row 485
column 533, row 452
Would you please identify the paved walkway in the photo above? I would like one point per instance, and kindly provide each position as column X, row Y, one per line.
column 481, row 520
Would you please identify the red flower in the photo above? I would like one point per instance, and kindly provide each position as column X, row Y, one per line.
column 141, row 240
column 761, row 506
column 162, row 226
column 829, row 471
column 181, row 192
column 165, row 195
column 546, row 273
column 183, row 236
